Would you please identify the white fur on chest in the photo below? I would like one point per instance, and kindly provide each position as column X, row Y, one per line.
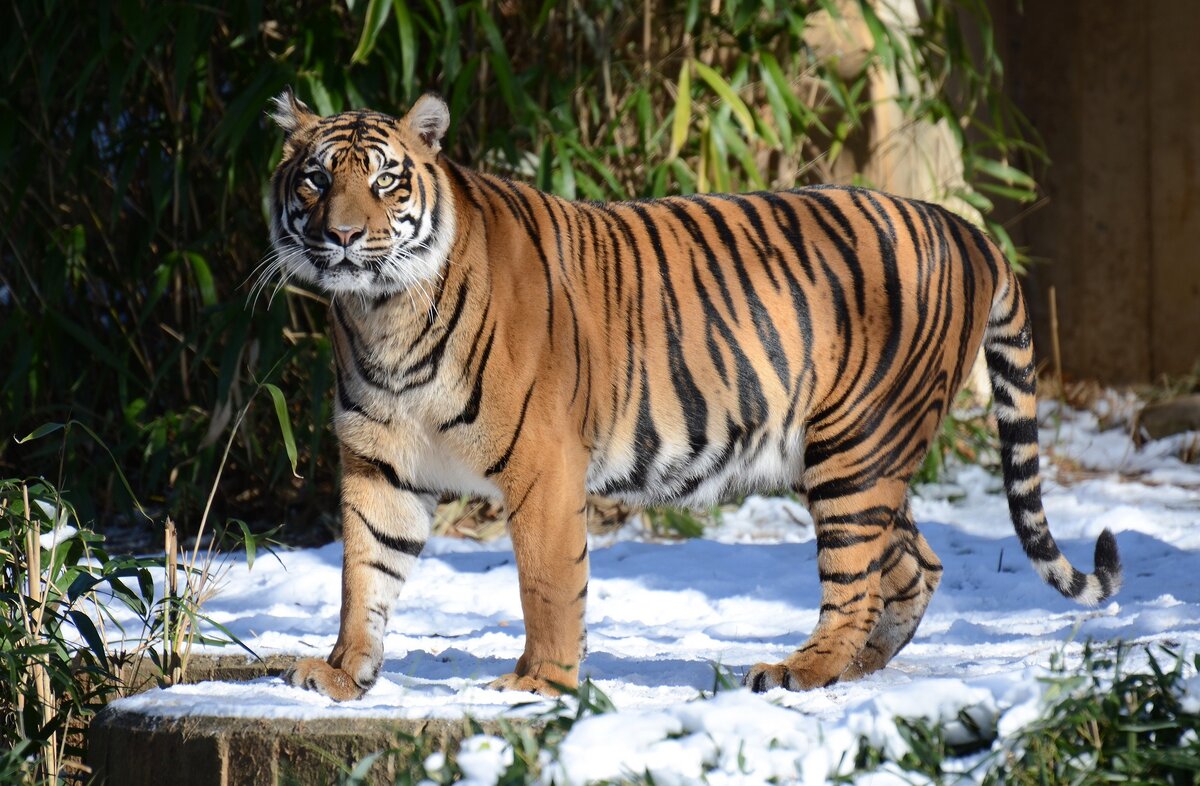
column 411, row 443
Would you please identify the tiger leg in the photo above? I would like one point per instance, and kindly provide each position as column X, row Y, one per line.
column 548, row 522
column 853, row 537
column 384, row 530
column 910, row 574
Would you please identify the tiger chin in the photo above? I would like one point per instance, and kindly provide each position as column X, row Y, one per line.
column 495, row 340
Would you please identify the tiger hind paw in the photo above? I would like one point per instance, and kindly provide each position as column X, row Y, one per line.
column 763, row 676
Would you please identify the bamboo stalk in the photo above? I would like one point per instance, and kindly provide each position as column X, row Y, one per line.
column 647, row 14
column 710, row 51
column 1054, row 345
column 24, row 616
column 37, row 669
column 172, row 627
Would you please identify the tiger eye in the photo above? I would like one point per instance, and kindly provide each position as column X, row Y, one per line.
column 386, row 180
column 318, row 179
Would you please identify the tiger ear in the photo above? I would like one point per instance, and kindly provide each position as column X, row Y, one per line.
column 429, row 118
column 290, row 113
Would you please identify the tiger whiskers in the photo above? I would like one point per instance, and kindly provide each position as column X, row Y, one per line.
column 287, row 276
column 270, row 261
column 281, row 263
column 393, row 263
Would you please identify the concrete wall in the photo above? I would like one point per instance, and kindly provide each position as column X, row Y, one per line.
column 1114, row 89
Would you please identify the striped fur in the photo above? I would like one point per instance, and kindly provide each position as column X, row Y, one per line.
column 495, row 340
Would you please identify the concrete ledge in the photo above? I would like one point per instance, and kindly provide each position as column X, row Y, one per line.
column 134, row 749
column 138, row 749
column 206, row 668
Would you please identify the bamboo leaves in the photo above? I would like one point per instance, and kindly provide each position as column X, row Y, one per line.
column 1013, row 183
column 727, row 94
column 408, row 48
column 682, row 115
column 143, row 157
column 376, row 17
column 285, row 423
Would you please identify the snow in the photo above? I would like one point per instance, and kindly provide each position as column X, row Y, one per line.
column 62, row 531
column 483, row 758
column 664, row 617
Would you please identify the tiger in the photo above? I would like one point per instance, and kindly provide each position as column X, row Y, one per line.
column 491, row 339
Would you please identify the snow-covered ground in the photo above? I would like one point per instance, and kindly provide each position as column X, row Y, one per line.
column 663, row 615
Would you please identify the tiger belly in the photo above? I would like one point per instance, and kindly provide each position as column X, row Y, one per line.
column 769, row 461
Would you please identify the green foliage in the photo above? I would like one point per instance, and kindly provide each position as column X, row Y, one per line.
column 76, row 623
column 1101, row 724
column 56, row 603
column 966, row 436
column 423, row 759
column 675, row 522
column 1109, row 725
column 927, row 750
column 136, row 153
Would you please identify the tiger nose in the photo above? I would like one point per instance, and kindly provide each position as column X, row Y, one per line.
column 344, row 235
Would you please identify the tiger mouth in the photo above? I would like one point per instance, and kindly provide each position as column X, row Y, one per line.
column 325, row 261
column 378, row 270
column 339, row 272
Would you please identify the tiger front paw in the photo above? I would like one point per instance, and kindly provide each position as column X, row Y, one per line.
column 317, row 675
column 538, row 685
column 544, row 677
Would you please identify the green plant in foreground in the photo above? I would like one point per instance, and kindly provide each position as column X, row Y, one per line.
column 65, row 650
column 1107, row 724
column 59, row 590
column 520, row 744
column 1101, row 723
column 76, row 623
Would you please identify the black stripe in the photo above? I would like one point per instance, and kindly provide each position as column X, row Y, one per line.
column 875, row 516
column 471, row 410
column 347, row 403
column 1041, row 547
column 845, row 246
column 549, row 203
column 691, row 401
column 389, row 473
column 712, row 320
column 466, row 186
column 502, row 462
column 404, row 545
column 843, row 578
column 483, row 321
column 765, row 328
column 384, row 568
column 432, row 359
column 1078, row 583
column 515, row 509
column 842, row 540
column 521, row 210
column 693, row 227
column 1019, row 377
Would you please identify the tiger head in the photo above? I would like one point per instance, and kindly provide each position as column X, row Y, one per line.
column 358, row 202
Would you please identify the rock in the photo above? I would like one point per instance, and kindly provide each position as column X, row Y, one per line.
column 1165, row 418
